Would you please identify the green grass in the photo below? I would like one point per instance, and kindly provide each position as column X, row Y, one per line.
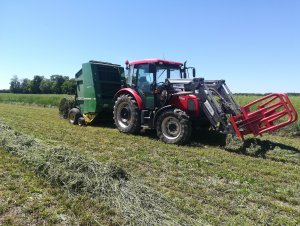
column 257, row 184
column 242, row 100
column 45, row 100
column 26, row 199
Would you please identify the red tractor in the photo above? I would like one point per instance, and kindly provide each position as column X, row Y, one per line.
column 166, row 96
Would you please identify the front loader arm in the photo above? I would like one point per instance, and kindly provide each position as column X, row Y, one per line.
column 216, row 101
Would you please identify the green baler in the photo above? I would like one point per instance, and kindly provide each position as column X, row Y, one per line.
column 97, row 82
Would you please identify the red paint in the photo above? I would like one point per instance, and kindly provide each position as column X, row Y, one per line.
column 272, row 112
column 181, row 102
column 196, row 102
column 133, row 93
column 151, row 61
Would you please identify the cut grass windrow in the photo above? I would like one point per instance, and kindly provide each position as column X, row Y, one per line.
column 138, row 203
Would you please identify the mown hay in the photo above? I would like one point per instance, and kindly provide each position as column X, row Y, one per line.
column 64, row 106
column 138, row 203
column 292, row 130
column 233, row 143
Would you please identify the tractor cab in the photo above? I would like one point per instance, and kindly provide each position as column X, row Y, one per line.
column 149, row 77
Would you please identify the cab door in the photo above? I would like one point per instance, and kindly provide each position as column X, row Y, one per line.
column 144, row 84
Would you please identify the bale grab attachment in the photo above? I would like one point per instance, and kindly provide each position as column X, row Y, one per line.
column 264, row 115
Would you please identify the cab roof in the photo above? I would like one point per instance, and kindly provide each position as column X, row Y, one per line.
column 149, row 61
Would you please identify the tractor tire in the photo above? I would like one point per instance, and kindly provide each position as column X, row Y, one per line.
column 174, row 127
column 127, row 115
column 74, row 115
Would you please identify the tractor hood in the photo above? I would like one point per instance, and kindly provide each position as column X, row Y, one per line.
column 178, row 85
column 179, row 81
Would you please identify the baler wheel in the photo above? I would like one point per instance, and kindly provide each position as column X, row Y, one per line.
column 81, row 121
column 74, row 115
column 173, row 127
column 127, row 114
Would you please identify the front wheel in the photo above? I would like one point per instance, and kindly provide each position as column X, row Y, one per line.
column 174, row 127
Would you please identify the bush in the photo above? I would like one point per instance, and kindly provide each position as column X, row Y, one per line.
column 65, row 106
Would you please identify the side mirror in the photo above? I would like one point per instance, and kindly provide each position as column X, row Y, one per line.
column 194, row 72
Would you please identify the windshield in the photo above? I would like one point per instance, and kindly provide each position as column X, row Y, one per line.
column 167, row 71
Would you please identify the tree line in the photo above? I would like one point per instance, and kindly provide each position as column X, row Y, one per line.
column 56, row 84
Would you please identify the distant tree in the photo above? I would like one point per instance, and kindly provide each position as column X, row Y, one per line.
column 69, row 86
column 46, row 86
column 26, row 85
column 57, row 81
column 15, row 85
column 36, row 82
column 293, row 94
column 56, row 84
column 4, row 91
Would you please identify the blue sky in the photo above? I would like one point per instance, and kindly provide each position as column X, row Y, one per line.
column 253, row 45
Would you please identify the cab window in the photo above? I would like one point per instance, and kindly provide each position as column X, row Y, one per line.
column 143, row 78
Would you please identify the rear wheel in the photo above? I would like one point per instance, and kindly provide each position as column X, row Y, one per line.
column 173, row 127
column 74, row 115
column 127, row 114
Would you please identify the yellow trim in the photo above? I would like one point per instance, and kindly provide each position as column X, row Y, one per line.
column 88, row 118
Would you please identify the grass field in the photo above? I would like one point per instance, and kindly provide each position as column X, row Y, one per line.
column 45, row 100
column 204, row 181
column 247, row 99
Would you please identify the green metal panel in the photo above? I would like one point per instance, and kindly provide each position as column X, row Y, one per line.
column 97, row 83
column 79, row 89
column 89, row 92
